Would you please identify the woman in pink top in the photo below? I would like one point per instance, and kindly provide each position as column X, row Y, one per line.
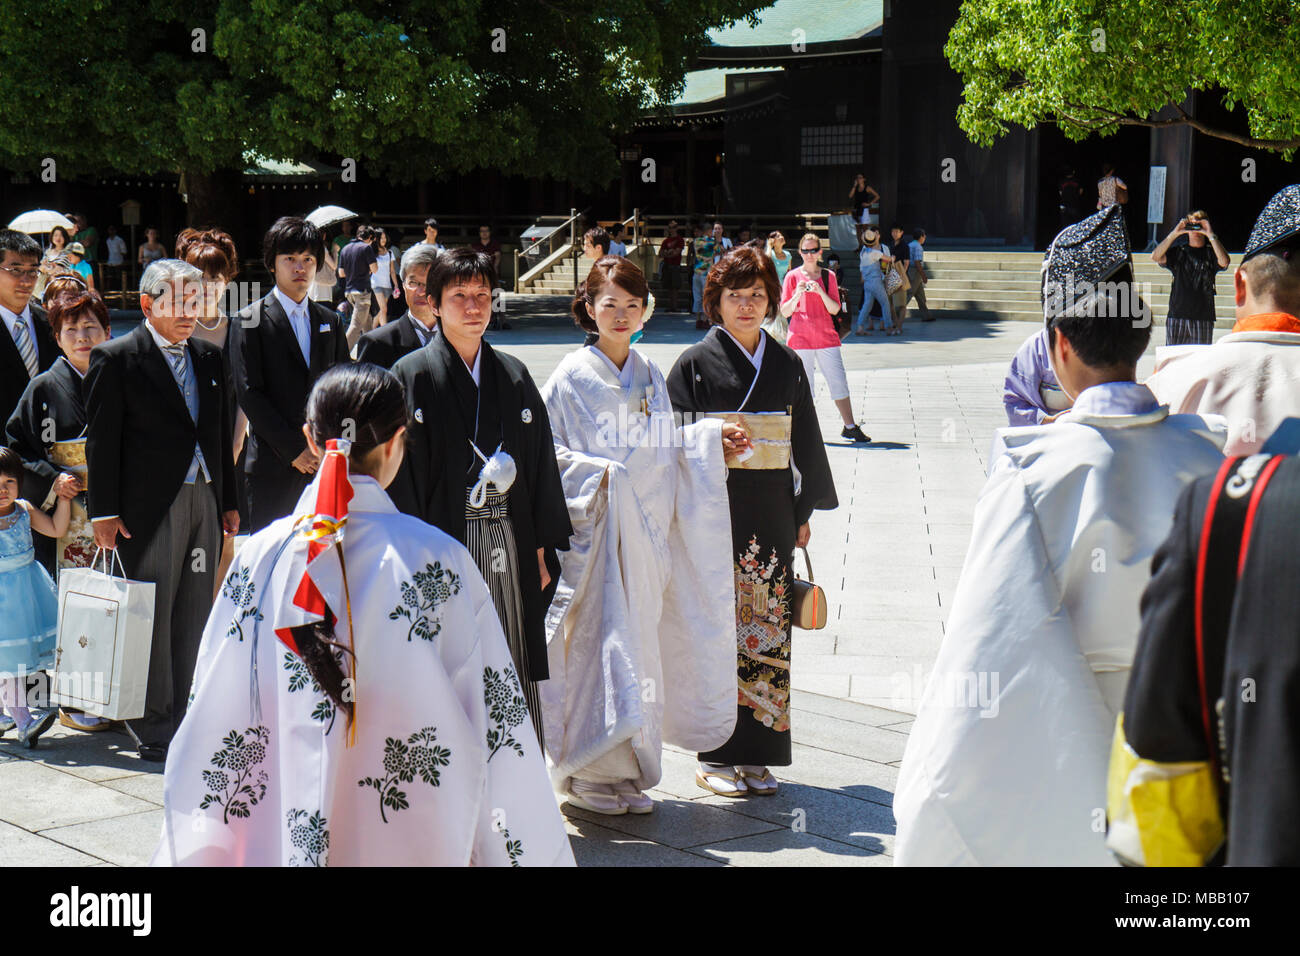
column 809, row 305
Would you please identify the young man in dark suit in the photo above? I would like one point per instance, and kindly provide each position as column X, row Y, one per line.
column 26, row 348
column 279, row 346
column 162, row 477
column 388, row 343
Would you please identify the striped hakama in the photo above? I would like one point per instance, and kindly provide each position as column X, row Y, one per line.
column 490, row 538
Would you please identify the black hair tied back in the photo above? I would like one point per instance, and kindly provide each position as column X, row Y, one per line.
column 366, row 405
column 357, row 401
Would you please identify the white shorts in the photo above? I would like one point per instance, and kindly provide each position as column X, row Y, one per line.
column 832, row 365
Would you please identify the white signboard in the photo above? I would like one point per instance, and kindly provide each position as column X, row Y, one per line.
column 1156, row 195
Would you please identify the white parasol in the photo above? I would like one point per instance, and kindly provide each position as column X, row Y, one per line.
column 41, row 220
column 323, row 216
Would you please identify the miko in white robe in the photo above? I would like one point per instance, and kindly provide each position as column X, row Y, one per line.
column 1006, row 762
column 641, row 635
column 445, row 769
column 1251, row 376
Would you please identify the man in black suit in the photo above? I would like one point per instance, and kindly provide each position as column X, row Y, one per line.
column 388, row 343
column 27, row 347
column 162, row 477
column 279, row 346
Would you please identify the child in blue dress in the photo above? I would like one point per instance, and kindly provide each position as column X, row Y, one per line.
column 28, row 601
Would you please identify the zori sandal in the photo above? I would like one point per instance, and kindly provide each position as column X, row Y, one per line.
column 759, row 780
column 596, row 797
column 724, row 781
column 633, row 798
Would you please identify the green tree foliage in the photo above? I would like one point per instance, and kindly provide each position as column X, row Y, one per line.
column 1091, row 66
column 409, row 89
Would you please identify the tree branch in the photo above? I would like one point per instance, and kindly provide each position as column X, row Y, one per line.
column 1184, row 119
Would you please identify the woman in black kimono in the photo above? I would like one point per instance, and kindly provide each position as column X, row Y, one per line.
column 480, row 461
column 48, row 430
column 740, row 368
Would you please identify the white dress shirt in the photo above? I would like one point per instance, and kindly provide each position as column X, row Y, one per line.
column 299, row 319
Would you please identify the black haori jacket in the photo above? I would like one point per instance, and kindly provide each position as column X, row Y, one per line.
column 440, row 464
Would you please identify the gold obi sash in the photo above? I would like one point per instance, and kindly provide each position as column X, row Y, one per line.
column 70, row 456
column 770, row 434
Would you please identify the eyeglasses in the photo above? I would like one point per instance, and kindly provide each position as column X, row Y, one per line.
column 810, row 252
column 414, row 286
column 30, row 275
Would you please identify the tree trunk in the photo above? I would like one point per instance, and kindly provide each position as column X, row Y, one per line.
column 212, row 198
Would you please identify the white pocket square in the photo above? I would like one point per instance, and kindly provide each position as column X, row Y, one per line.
column 325, row 327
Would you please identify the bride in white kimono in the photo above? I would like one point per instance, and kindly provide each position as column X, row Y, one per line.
column 641, row 635
column 354, row 702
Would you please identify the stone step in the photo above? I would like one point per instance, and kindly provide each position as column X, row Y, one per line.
column 938, row 289
column 958, row 311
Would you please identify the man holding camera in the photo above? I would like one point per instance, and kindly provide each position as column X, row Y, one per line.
column 1194, row 265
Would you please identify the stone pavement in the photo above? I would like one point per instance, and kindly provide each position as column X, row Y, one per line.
column 889, row 559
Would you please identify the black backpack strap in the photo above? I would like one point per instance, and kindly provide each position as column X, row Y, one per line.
column 1225, row 538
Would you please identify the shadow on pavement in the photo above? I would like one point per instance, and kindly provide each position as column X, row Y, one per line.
column 73, row 750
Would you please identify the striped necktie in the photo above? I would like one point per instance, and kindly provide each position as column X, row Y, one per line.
column 22, row 339
column 176, row 358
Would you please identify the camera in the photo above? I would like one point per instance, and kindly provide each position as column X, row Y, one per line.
column 1192, row 227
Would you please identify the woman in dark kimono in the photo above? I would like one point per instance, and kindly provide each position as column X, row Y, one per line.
column 48, row 430
column 740, row 368
column 480, row 462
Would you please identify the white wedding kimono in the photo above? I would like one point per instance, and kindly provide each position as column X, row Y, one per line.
column 1250, row 378
column 445, row 769
column 641, row 635
column 1006, row 761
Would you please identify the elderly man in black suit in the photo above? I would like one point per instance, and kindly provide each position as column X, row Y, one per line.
column 279, row 346
column 162, row 477
column 388, row 343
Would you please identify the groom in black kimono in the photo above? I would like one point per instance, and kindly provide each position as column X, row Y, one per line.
column 468, row 400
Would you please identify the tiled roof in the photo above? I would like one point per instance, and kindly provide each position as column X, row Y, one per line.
column 823, row 21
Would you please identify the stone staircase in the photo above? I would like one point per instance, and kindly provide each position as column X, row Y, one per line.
column 558, row 278
column 977, row 284
column 1005, row 285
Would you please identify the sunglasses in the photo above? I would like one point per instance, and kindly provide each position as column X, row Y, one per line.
column 810, row 252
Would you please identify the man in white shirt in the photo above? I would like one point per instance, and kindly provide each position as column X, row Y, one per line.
column 278, row 347
column 116, row 247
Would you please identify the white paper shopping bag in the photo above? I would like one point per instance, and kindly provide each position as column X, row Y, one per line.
column 101, row 664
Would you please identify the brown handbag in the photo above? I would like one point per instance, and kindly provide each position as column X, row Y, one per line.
column 808, row 601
